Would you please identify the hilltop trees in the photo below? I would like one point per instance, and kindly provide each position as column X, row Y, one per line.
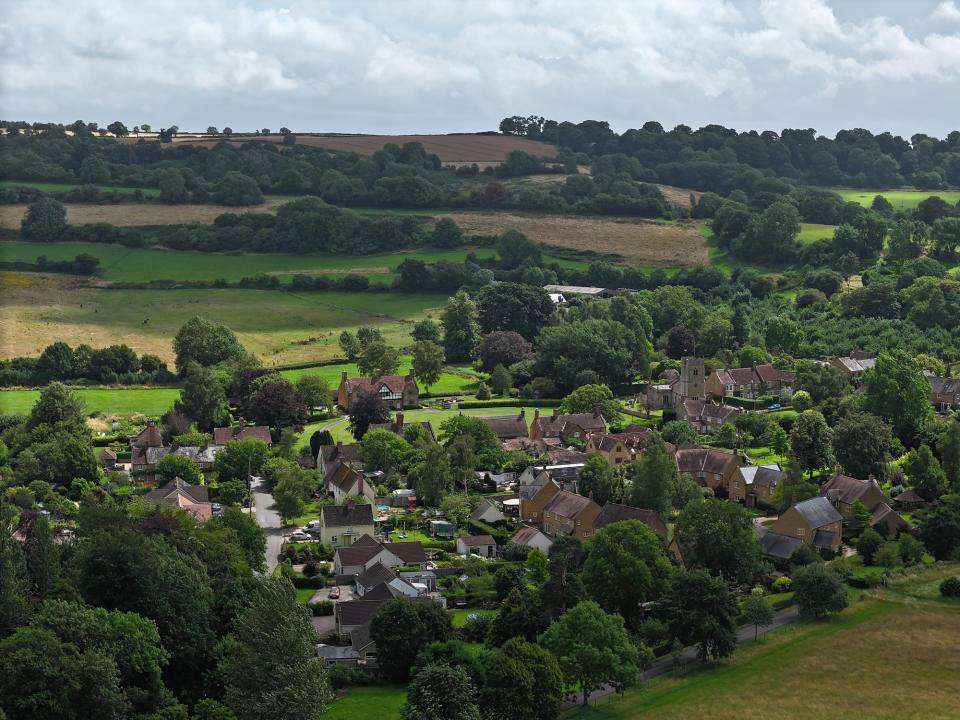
column 204, row 342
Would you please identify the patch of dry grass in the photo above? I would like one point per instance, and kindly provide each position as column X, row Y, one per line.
column 128, row 214
column 638, row 242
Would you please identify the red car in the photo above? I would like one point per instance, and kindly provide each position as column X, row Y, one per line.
column 334, row 593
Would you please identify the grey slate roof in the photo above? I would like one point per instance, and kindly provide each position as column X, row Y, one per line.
column 374, row 575
column 824, row 538
column 777, row 545
column 817, row 512
column 347, row 515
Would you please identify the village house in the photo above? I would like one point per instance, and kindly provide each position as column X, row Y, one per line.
column 596, row 292
column 854, row 365
column 566, row 427
column 150, row 436
column 567, row 513
column 618, row 512
column 754, row 484
column 706, row 416
column 344, row 482
column 107, row 458
column 487, row 512
column 843, row 491
column 565, row 474
column 329, row 455
column 342, row 525
column 508, row 427
column 145, row 459
column 711, row 468
column 751, row 382
column 396, row 391
column 241, row 431
column 532, row 499
column 482, row 545
column 944, row 392
column 617, row 448
column 366, row 551
column 814, row 522
column 397, row 426
column 379, row 574
column 182, row 495
column 532, row 537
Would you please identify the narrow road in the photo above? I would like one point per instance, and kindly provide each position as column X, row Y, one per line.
column 269, row 520
column 665, row 664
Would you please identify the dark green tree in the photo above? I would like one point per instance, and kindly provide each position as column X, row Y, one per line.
column 599, row 480
column 861, row 445
column 811, row 441
column 897, row 391
column 757, row 611
column 461, row 331
column 627, row 566
column 366, row 409
column 441, row 691
column 523, row 309
column 702, row 612
column 202, row 341
column 818, row 590
column 940, row 529
column 925, row 473
column 401, row 629
column 593, row 649
column 867, row 545
column 521, row 680
column 500, row 380
column 274, row 643
column 45, row 221
column 860, row 519
column 427, row 362
column 520, row 615
column 590, row 398
column 173, row 466
column 653, row 476
column 563, row 588
column 718, row 536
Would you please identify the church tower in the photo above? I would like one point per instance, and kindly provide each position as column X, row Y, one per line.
column 692, row 383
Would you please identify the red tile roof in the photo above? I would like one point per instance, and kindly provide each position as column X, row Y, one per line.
column 567, row 504
column 223, row 435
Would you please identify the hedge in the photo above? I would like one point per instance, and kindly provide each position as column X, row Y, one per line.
column 312, row 583
column 468, row 404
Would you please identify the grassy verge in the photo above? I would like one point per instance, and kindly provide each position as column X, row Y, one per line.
column 382, row 702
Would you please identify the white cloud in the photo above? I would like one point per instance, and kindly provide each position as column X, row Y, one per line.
column 447, row 65
column 947, row 11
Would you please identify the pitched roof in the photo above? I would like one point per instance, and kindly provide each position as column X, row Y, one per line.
column 482, row 509
column 349, row 452
column 567, row 504
column 770, row 374
column 358, row 553
column 397, row 426
column 777, row 545
column 347, row 515
column 614, row 512
column 476, row 540
column 223, row 435
column 589, row 422
column 708, row 460
column 845, row 489
column 817, row 512
column 699, row 409
column 106, row 454
column 394, row 383
column 943, row 385
column 411, row 553
column 525, row 535
column 342, row 476
column 360, row 638
column 374, row 575
column 824, row 538
column 197, row 454
column 858, row 361
column 166, row 495
column 762, row 475
column 909, row 496
column 508, row 427
column 358, row 612
column 150, row 436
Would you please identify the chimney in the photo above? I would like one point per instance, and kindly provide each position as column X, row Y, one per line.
column 400, row 420
column 359, row 483
column 536, row 414
column 410, row 374
column 339, row 444
column 351, row 503
column 596, row 411
column 149, row 423
column 623, row 499
column 343, row 376
column 590, row 494
column 793, row 499
column 555, row 413
column 523, row 412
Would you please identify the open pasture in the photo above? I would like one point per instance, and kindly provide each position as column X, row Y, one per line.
column 277, row 325
column 900, row 199
column 453, row 149
column 125, row 401
column 131, row 214
column 638, row 242
column 123, row 264
column 811, row 232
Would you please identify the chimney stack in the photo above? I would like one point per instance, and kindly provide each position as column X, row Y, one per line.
column 359, row 483
column 523, row 412
column 339, row 444
column 343, row 376
column 400, row 420
column 351, row 503
column 536, row 413
column 556, row 412
column 623, row 499
column 410, row 374
column 793, row 499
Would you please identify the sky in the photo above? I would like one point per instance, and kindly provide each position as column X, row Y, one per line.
column 438, row 66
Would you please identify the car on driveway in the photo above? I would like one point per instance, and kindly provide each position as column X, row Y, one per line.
column 299, row 535
column 334, row 593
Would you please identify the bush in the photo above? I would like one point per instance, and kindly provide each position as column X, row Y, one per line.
column 321, row 608
column 476, row 627
column 782, row 584
column 866, row 578
column 950, row 587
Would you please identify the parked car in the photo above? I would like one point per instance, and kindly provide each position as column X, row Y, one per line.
column 299, row 535
column 775, row 406
column 334, row 593
column 216, row 507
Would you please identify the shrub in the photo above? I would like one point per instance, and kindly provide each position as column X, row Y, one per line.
column 950, row 587
column 321, row 608
column 782, row 584
column 476, row 627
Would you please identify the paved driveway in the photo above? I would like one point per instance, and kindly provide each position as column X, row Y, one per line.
column 269, row 520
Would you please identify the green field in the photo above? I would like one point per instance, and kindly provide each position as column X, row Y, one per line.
column 900, row 199
column 277, row 325
column 811, row 232
column 459, row 617
column 149, row 401
column 123, row 264
column 804, row 670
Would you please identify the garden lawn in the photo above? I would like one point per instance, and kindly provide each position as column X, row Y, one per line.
column 808, row 666
column 304, row 595
column 382, row 702
column 148, row 401
column 459, row 617
column 811, row 232
column 900, row 199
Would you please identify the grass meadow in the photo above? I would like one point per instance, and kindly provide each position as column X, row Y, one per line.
column 900, row 199
column 381, row 701
column 811, row 232
column 277, row 325
column 148, row 401
column 821, row 669
column 455, row 381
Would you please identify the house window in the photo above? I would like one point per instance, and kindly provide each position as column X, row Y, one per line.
column 548, row 528
column 800, row 532
column 534, row 514
column 578, row 523
column 736, row 483
column 586, row 533
column 333, row 540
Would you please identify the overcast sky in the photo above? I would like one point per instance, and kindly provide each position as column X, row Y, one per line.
column 435, row 66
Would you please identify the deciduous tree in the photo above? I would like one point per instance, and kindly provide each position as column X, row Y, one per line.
column 818, row 590
column 461, row 331
column 718, row 536
column 811, row 441
column 701, row 612
column 427, row 362
column 401, row 629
